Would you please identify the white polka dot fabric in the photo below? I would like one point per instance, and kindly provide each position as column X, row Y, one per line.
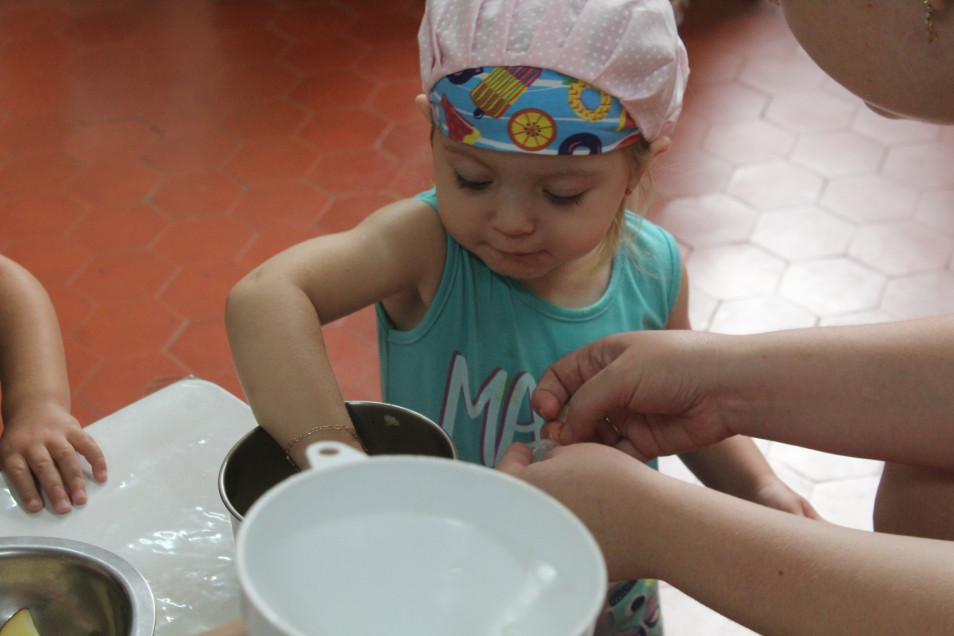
column 627, row 48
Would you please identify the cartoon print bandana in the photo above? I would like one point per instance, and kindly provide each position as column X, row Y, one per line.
column 528, row 109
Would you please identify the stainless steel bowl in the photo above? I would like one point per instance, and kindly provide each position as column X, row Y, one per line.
column 73, row 588
column 257, row 462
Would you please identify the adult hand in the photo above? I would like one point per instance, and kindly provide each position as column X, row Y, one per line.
column 646, row 393
column 44, row 444
column 611, row 493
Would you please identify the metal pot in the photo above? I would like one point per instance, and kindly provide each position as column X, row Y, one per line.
column 419, row 545
column 73, row 588
column 257, row 463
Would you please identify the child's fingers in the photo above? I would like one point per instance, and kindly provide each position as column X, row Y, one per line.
column 70, row 472
column 86, row 446
column 517, row 457
column 51, row 482
column 19, row 474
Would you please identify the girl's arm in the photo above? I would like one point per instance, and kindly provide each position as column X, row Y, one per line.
column 40, row 438
column 772, row 572
column 735, row 465
column 275, row 314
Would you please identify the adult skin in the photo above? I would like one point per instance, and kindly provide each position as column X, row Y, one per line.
column 879, row 51
column 772, row 572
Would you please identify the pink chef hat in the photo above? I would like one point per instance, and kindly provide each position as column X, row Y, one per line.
column 629, row 49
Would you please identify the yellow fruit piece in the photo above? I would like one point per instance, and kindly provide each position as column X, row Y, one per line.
column 20, row 624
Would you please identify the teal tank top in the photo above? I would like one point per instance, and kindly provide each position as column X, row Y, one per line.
column 472, row 362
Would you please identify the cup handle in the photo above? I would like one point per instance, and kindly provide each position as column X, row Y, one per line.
column 329, row 454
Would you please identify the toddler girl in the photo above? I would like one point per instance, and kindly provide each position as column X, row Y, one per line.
column 545, row 115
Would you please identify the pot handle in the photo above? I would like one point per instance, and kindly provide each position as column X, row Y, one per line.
column 329, row 454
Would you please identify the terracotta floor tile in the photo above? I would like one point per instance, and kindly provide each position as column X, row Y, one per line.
column 203, row 347
column 106, row 143
column 271, row 159
column 271, row 242
column 124, row 276
column 309, row 56
column 110, row 228
column 281, row 204
column 129, row 328
column 266, row 118
column 39, row 214
column 200, row 293
column 121, row 380
column 38, row 131
column 115, row 182
column 190, row 150
column 204, row 241
column 336, row 129
column 354, row 170
column 32, row 173
column 346, row 212
column 196, row 194
column 334, row 89
column 54, row 260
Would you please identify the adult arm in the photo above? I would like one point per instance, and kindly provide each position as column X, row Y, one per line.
column 878, row 391
column 40, row 437
column 772, row 572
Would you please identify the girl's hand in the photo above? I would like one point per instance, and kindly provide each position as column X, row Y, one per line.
column 43, row 445
column 774, row 493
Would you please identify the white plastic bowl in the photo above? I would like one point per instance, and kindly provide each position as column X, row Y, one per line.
column 408, row 546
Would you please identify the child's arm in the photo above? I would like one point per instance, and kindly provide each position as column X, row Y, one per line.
column 735, row 465
column 40, row 438
column 275, row 314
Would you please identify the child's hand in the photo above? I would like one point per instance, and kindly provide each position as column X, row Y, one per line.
column 776, row 494
column 44, row 444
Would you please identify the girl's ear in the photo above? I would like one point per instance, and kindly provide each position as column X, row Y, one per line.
column 424, row 106
column 656, row 148
column 659, row 146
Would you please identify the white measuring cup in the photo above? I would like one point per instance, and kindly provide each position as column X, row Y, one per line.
column 412, row 546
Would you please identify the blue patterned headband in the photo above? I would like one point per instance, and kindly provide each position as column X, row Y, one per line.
column 527, row 109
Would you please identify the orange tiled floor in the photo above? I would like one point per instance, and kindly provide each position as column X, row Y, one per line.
column 151, row 153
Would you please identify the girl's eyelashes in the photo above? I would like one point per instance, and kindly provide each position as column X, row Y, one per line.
column 565, row 200
column 467, row 184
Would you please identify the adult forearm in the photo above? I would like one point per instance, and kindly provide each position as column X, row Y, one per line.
column 881, row 391
column 780, row 574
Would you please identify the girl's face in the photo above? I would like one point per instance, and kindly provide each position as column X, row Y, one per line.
column 879, row 51
column 530, row 217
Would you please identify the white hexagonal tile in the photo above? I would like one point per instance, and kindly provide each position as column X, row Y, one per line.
column 925, row 165
column 832, row 286
column 839, row 154
column 821, row 467
column 901, row 248
column 708, row 220
column 936, row 210
column 920, row 296
column 869, row 198
column 802, row 233
column 811, row 112
column 735, row 271
column 847, row 502
column 749, row 142
column 775, row 184
column 759, row 315
column 893, row 131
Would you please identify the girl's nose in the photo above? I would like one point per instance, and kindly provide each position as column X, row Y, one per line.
column 512, row 218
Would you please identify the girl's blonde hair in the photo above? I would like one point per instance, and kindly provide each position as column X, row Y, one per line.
column 639, row 155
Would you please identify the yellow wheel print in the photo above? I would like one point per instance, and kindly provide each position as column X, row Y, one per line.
column 575, row 95
column 531, row 129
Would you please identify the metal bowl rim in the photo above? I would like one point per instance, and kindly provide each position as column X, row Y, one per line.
column 142, row 601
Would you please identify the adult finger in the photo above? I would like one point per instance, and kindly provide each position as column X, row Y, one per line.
column 517, row 457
